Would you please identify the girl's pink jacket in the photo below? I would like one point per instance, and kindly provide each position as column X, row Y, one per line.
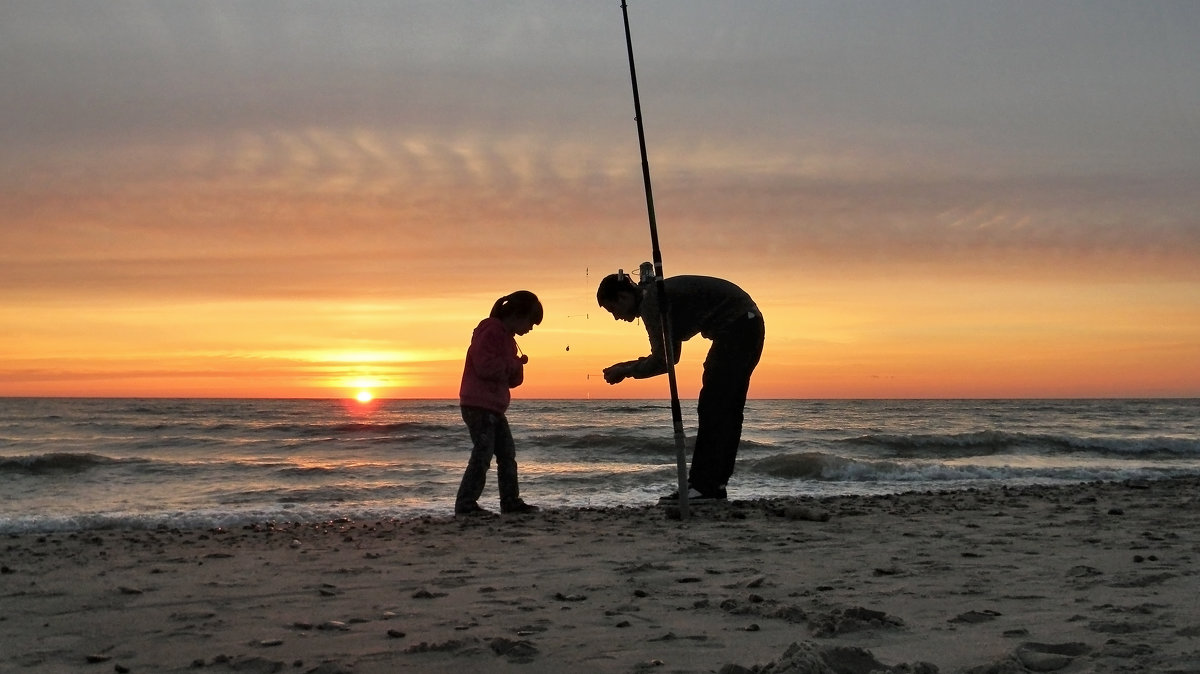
column 492, row 368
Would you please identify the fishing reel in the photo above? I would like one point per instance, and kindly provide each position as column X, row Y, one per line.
column 645, row 274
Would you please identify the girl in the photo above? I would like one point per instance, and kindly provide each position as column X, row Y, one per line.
column 493, row 366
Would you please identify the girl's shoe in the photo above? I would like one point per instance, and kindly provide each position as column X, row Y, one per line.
column 473, row 509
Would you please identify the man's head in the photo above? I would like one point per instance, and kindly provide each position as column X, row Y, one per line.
column 619, row 296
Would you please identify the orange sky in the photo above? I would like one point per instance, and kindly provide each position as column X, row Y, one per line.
column 277, row 200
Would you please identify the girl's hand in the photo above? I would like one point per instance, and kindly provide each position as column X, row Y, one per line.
column 524, row 359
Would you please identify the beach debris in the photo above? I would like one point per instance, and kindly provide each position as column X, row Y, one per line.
column 426, row 647
column 806, row 513
column 671, row 636
column 760, row 606
column 644, row 567
column 811, row 658
column 1119, row 626
column 1083, row 571
column 188, row 616
column 251, row 664
column 1049, row 657
column 330, row 667
column 788, row 613
column 516, row 651
column 855, row 619
column 972, row 617
column 1115, row 648
column 1142, row 581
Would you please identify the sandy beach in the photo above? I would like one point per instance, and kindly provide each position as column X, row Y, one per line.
column 1099, row 577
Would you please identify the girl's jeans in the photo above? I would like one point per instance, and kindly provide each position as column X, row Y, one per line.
column 490, row 436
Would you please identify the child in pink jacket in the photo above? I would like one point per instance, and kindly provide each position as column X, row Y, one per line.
column 493, row 366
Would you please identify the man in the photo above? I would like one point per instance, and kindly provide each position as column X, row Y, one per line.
column 718, row 310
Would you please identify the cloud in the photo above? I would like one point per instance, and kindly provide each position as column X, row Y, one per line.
column 227, row 141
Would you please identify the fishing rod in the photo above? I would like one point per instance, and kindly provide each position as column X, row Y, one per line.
column 660, row 284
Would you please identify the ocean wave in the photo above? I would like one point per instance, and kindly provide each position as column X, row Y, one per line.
column 361, row 428
column 603, row 444
column 981, row 443
column 307, row 471
column 822, row 467
column 628, row 408
column 331, row 493
column 283, row 514
column 59, row 462
column 800, row 466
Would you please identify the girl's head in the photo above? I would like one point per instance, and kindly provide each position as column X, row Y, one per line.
column 520, row 311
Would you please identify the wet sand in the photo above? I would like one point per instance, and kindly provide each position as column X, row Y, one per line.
column 1100, row 577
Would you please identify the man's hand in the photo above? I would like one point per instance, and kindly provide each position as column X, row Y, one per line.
column 613, row 374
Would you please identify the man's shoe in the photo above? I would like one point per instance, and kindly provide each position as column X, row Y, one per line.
column 519, row 507
column 694, row 494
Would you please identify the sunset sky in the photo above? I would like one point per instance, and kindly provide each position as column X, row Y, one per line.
column 301, row 198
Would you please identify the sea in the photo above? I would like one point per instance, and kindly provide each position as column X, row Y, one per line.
column 74, row 464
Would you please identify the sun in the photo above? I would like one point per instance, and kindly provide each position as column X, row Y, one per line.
column 364, row 396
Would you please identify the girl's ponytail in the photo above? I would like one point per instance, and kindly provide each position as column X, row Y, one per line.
column 520, row 303
column 498, row 307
